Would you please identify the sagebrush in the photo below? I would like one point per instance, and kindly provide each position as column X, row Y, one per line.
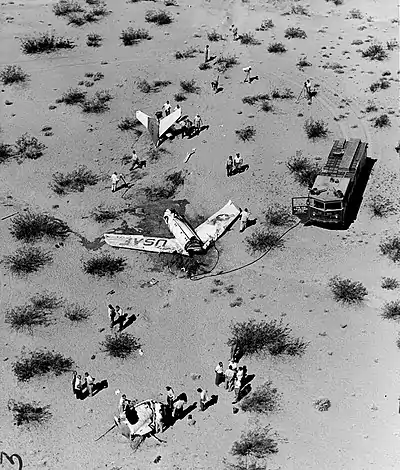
column 30, row 226
column 347, row 291
column 41, row 362
column 29, row 413
column 120, row 345
column 104, row 264
column 27, row 259
column 75, row 180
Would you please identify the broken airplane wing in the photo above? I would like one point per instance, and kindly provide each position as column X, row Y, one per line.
column 142, row 243
column 158, row 128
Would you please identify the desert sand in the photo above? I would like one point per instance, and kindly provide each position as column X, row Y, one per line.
column 182, row 326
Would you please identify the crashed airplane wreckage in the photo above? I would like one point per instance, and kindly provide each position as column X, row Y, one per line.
column 188, row 241
column 158, row 127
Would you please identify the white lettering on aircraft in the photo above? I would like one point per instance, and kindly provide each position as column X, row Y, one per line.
column 148, row 241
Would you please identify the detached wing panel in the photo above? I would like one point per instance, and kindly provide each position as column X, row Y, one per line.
column 168, row 121
column 151, row 124
column 216, row 225
column 141, row 243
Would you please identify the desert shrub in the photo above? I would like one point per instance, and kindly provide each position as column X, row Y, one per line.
column 128, row 123
column 278, row 215
column 381, row 84
column 257, row 337
column 266, row 106
column 76, row 180
column 390, row 283
column 381, row 206
column 13, row 74
column 276, row 48
column 392, row 44
column 374, row 52
column 246, row 133
column 335, row 66
column 104, row 214
column 303, row 62
column 104, row 264
column 214, row 36
column 160, row 17
column 169, row 188
column 315, row 129
column 266, row 25
column 357, row 42
column 295, row 32
column 336, row 2
column 120, row 345
column 391, row 248
column 76, row 312
column 371, row 107
column 29, row 226
column 304, row 170
column 28, row 146
column 298, row 9
column 255, row 98
column 27, row 259
column 382, row 121
column 256, row 443
column 7, row 152
column 264, row 399
column 154, row 154
column 248, row 39
column 178, row 97
column 391, row 310
column 45, row 42
column 93, row 39
column 98, row 10
column 28, row 413
column 66, row 7
column 189, row 86
column 223, row 63
column 25, row 317
column 347, row 291
column 322, row 404
column 262, row 240
column 78, row 19
column 98, row 103
column 158, row 84
column 355, row 14
column 73, row 96
column 188, row 53
column 204, row 66
column 145, row 87
column 286, row 94
column 132, row 36
column 41, row 362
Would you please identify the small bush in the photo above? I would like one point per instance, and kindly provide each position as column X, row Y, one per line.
column 188, row 53
column 336, row 2
column 77, row 19
column 266, row 25
column 248, row 39
column 178, row 97
column 381, row 206
column 322, row 404
column 257, row 443
column 66, row 7
column 103, row 214
column 347, row 291
column 98, row 103
column 278, row 215
column 295, row 32
column 104, row 265
column 391, row 248
column 255, row 98
column 223, row 63
column 128, row 123
column 189, row 86
column 28, row 146
column 381, row 84
column 299, row 10
column 303, row 170
column 266, row 106
column 41, row 362
column 204, row 66
column 303, row 62
column 382, row 121
column 276, row 48
column 286, row 94
column 45, row 42
column 76, row 180
column 213, row 36
column 335, row 66
column 246, row 134
column 29, row 226
column 168, row 189
column 264, row 399
column 154, row 154
column 7, row 152
column 27, row 260
column 390, row 283
column 392, row 44
column 371, row 107
column 315, row 129
column 132, row 36
column 391, row 310
column 355, row 14
column 375, row 52
column 25, row 317
column 13, row 74
column 28, row 413
column 93, row 39
column 120, row 345
column 159, row 17
column 73, row 96
column 145, row 87
column 76, row 312
column 262, row 240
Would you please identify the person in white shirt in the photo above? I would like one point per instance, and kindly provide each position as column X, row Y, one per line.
column 167, row 108
column 123, row 403
column 89, row 383
column 121, row 316
column 247, row 71
column 237, row 162
column 219, row 374
column 197, row 122
column 244, row 218
column 229, row 378
column 203, row 399
column 114, row 182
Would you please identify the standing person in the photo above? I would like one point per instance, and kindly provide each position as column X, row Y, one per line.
column 229, row 378
column 77, row 385
column 244, row 218
column 114, row 182
column 237, row 388
column 89, row 383
column 167, row 108
column 233, row 363
column 197, row 121
column 234, row 32
column 203, row 398
column 170, row 398
column 178, row 406
column 219, row 374
column 111, row 315
column 215, row 84
column 123, row 403
column 237, row 162
column 229, row 166
column 177, row 107
column 206, row 53
column 247, row 71
column 120, row 317
column 135, row 159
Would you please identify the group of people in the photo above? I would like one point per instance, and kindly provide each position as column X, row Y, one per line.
column 233, row 377
column 83, row 386
column 235, row 165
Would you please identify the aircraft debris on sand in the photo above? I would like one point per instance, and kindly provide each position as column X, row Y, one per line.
column 188, row 241
column 158, row 127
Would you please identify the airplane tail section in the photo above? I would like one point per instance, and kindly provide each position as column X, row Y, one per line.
column 151, row 125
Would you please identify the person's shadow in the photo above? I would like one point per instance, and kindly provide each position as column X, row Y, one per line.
column 211, row 402
column 197, row 132
column 124, row 324
column 188, row 410
column 97, row 388
column 251, row 79
column 244, row 391
column 248, row 379
column 240, row 169
column 219, row 89
column 251, row 222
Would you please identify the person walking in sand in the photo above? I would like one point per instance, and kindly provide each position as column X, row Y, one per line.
column 206, row 53
column 77, row 385
column 167, row 108
column 177, row 107
column 111, row 315
column 219, row 374
column 247, row 71
column 135, row 159
column 229, row 378
column 203, row 398
column 229, row 166
column 244, row 218
column 114, row 182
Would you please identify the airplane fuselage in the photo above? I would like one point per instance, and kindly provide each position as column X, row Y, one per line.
column 183, row 232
